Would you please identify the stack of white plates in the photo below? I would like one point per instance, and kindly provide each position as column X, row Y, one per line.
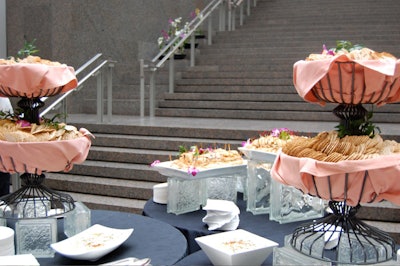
column 6, row 241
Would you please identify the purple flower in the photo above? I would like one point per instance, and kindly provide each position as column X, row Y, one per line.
column 192, row 171
column 155, row 163
column 245, row 143
column 326, row 51
column 275, row 132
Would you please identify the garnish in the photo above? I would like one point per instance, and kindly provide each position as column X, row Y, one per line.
column 282, row 133
column 358, row 127
column 28, row 49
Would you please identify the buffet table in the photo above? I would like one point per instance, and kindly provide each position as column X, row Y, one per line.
column 151, row 238
column 191, row 225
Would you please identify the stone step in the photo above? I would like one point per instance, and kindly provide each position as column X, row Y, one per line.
column 97, row 185
column 119, row 171
column 187, row 88
column 173, row 130
column 245, row 97
column 109, row 203
column 169, row 145
column 266, row 115
column 246, row 114
column 236, row 75
column 242, row 81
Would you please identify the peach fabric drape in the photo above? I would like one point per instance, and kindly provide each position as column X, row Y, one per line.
column 35, row 80
column 373, row 76
column 38, row 157
column 382, row 183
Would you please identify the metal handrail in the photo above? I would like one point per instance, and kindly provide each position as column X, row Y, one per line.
column 96, row 71
column 156, row 63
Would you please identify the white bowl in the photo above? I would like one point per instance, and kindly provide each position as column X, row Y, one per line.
column 160, row 193
column 237, row 247
column 93, row 243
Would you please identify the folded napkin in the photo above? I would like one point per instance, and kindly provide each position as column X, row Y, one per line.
column 221, row 215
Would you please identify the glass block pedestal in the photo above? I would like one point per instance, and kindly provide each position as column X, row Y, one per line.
column 34, row 236
column 289, row 204
column 258, row 186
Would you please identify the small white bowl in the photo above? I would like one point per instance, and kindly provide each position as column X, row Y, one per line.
column 238, row 247
column 160, row 193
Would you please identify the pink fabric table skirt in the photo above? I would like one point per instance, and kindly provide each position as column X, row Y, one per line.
column 382, row 178
column 35, row 80
column 371, row 81
column 38, row 157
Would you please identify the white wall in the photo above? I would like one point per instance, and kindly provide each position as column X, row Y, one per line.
column 3, row 36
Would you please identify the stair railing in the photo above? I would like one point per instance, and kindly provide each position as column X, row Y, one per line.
column 167, row 53
column 96, row 70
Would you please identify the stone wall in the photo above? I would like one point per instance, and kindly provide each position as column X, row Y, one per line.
column 74, row 31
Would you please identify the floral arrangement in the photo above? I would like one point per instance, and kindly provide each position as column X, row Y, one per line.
column 175, row 28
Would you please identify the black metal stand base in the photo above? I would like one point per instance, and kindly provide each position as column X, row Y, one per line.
column 35, row 200
column 343, row 238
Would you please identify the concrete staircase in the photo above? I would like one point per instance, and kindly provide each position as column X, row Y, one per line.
column 247, row 73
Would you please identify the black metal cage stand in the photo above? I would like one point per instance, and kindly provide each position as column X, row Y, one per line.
column 341, row 237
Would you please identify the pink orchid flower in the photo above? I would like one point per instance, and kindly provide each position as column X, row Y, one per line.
column 155, row 163
column 193, row 171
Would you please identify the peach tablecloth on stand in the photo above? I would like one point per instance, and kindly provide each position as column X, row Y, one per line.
column 49, row 156
column 382, row 183
column 370, row 78
column 35, row 80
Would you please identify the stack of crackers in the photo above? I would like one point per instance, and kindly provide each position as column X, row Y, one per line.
column 14, row 132
column 328, row 147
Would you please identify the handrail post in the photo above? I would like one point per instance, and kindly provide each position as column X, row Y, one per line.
column 142, row 84
column 152, row 92
column 222, row 17
column 109, row 91
column 241, row 14
column 209, row 31
column 229, row 15
column 171, row 74
column 192, row 47
column 100, row 96
column 248, row 7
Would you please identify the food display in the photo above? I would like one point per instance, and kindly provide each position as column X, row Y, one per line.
column 29, row 60
column 199, row 158
column 355, row 54
column 202, row 162
column 272, row 142
column 16, row 131
column 352, row 165
column 328, row 147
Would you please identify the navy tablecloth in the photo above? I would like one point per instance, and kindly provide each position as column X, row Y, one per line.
column 151, row 238
column 191, row 225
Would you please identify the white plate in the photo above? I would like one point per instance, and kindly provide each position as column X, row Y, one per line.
column 166, row 169
column 258, row 154
column 93, row 243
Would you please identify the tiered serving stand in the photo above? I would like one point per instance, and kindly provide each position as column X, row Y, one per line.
column 30, row 82
column 341, row 237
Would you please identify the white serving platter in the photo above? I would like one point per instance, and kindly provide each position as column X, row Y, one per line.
column 166, row 169
column 258, row 155
column 93, row 243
